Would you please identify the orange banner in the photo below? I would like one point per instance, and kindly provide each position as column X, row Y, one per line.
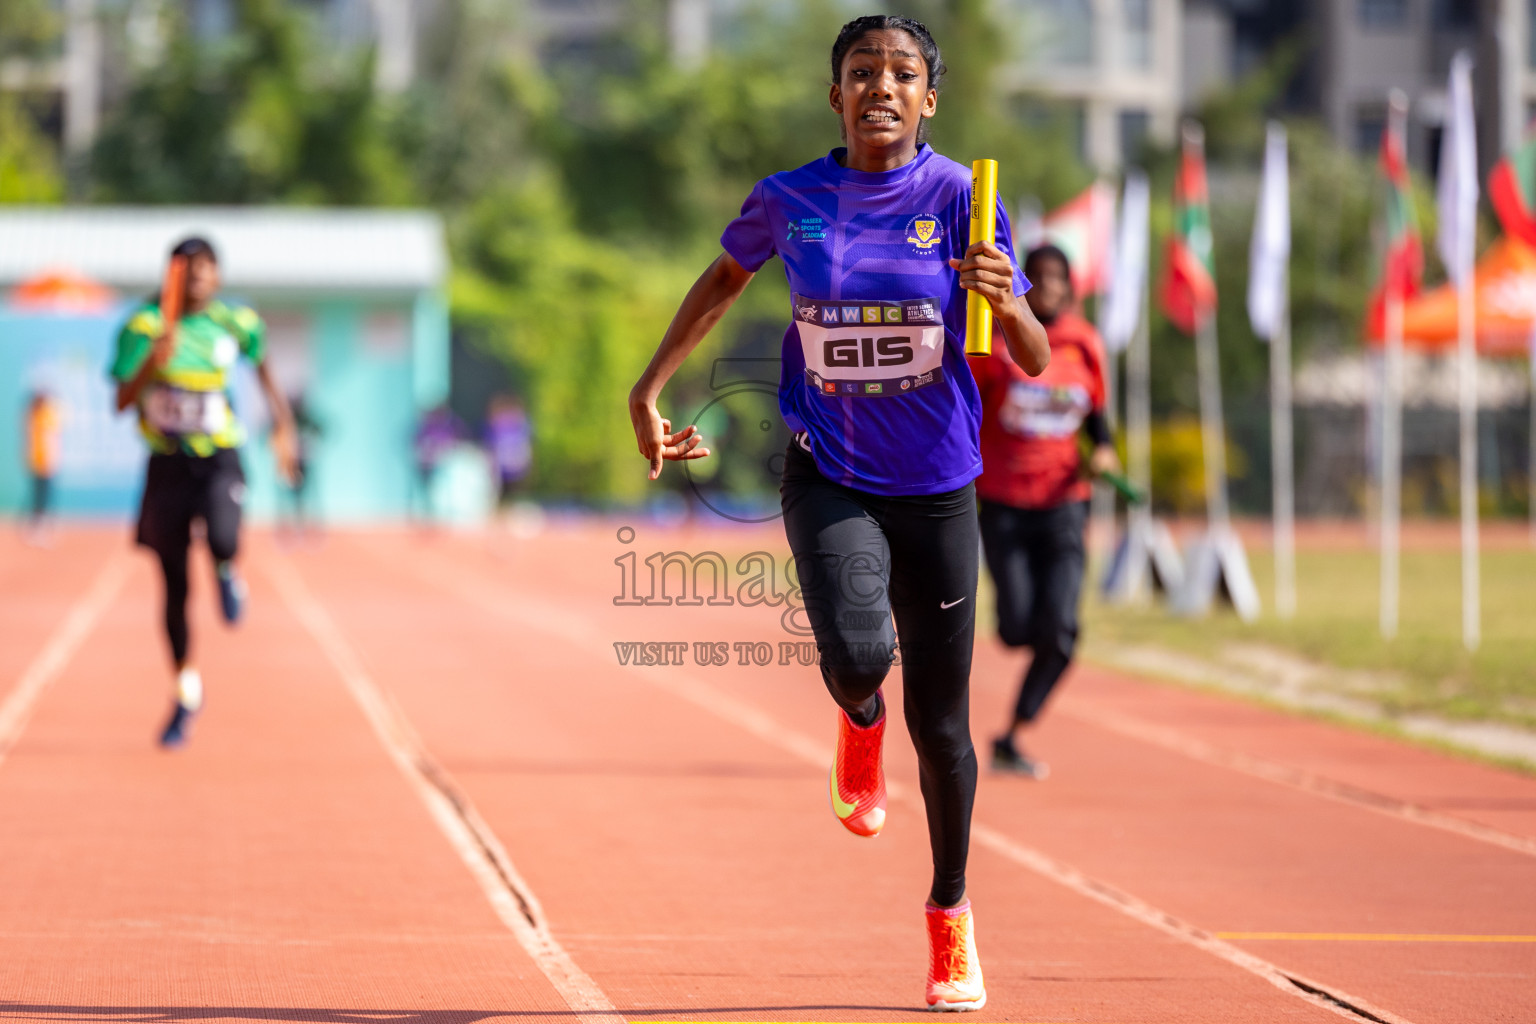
column 1505, row 290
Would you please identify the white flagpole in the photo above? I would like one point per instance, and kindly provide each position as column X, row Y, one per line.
column 1102, row 500
column 1208, row 372
column 1391, row 459
column 1392, row 419
column 1138, row 419
column 1138, row 405
column 1458, row 227
column 1471, row 617
column 1282, row 456
column 1269, row 313
column 1530, row 444
column 1212, row 430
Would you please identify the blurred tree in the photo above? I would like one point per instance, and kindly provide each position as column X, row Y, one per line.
column 29, row 165
column 29, row 28
column 578, row 316
column 260, row 116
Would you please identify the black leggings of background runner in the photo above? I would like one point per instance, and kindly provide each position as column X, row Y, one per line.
column 861, row 558
column 178, row 489
column 1036, row 559
column 42, row 495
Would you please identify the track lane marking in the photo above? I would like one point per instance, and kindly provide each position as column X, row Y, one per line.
column 62, row 644
column 1365, row 937
column 1298, row 778
column 548, row 619
column 474, row 841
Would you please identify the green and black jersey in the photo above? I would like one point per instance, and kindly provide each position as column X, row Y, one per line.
column 186, row 406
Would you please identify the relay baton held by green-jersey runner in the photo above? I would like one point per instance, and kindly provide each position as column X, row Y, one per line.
column 978, row 311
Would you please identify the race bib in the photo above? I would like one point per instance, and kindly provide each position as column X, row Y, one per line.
column 1036, row 410
column 175, row 411
column 870, row 349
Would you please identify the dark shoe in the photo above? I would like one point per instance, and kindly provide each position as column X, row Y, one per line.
column 1007, row 758
column 231, row 594
column 178, row 728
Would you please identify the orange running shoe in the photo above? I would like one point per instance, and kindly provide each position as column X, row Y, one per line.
column 954, row 972
column 857, row 784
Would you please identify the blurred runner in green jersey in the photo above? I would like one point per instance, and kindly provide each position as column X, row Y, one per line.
column 178, row 378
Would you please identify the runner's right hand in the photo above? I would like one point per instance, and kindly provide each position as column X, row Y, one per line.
column 163, row 349
column 656, row 440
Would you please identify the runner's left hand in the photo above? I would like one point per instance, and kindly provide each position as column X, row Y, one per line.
column 286, row 453
column 988, row 270
column 1104, row 460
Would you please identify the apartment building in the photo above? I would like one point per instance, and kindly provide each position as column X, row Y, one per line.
column 1114, row 67
column 1366, row 48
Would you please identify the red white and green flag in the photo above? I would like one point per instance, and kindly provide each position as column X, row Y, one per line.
column 1189, row 273
column 1084, row 229
column 1512, row 187
column 1402, row 260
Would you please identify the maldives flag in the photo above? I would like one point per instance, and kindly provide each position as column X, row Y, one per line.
column 1512, row 187
column 1402, row 263
column 1189, row 278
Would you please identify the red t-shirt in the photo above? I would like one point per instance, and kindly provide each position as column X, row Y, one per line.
column 1029, row 425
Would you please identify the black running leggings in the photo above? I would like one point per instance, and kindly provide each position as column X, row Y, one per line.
column 862, row 558
column 177, row 490
column 1036, row 559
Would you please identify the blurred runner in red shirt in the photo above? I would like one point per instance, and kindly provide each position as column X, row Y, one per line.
column 1033, row 490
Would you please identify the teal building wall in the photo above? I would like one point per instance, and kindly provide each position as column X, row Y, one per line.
column 367, row 364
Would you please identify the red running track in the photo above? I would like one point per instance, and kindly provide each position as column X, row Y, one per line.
column 425, row 789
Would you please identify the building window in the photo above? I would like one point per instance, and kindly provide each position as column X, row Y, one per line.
column 1134, row 125
column 1136, row 18
column 1056, row 33
column 1065, row 120
column 1455, row 14
column 1370, row 125
column 1383, row 13
column 1530, row 33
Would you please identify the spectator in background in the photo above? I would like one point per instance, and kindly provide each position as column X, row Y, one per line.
column 438, row 431
column 307, row 430
column 509, row 441
column 43, row 422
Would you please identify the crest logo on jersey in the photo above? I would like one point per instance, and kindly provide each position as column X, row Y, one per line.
column 923, row 233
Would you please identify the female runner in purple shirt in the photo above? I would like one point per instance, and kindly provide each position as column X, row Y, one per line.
column 879, row 504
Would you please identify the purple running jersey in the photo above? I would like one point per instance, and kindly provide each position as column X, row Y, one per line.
column 874, row 369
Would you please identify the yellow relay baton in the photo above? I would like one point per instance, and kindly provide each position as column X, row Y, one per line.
column 978, row 311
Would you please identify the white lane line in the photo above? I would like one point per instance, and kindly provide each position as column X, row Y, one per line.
column 1298, row 778
column 61, row 646
column 549, row 621
column 469, row 835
